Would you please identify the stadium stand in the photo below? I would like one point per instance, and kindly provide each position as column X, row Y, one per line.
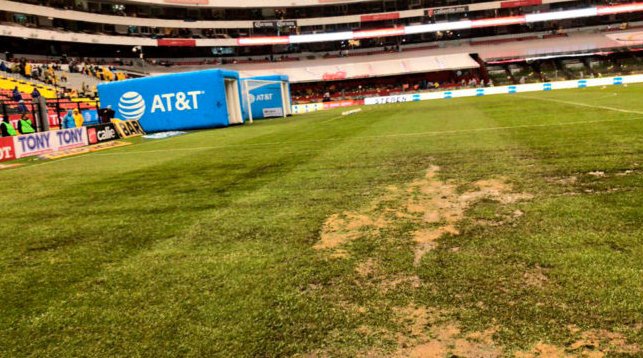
column 357, row 48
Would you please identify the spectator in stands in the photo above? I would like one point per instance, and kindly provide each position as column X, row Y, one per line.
column 16, row 96
column 35, row 93
column 78, row 118
column 7, row 129
column 68, row 120
column 25, row 126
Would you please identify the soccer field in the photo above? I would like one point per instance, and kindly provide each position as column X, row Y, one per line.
column 475, row 227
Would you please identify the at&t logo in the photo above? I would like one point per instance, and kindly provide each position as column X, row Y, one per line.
column 131, row 106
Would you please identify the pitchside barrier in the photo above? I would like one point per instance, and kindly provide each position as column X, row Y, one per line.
column 101, row 133
column 55, row 141
column 531, row 87
column 314, row 107
column 127, row 129
column 470, row 92
column 47, row 142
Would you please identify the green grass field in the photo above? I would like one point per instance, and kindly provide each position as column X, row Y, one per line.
column 478, row 227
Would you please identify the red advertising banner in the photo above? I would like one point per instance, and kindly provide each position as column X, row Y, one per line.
column 334, row 76
column 7, row 150
column 176, row 42
column 380, row 17
column 519, row 3
column 345, row 103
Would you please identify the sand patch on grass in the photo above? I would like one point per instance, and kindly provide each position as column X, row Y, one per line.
column 594, row 343
column 570, row 180
column 428, row 335
column 599, row 342
column 340, row 229
column 430, row 332
column 434, row 206
column 366, row 268
column 371, row 274
column 625, row 173
column 535, row 277
column 543, row 350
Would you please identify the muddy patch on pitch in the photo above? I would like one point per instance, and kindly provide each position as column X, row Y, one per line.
column 434, row 206
column 591, row 343
column 535, row 277
column 422, row 331
column 599, row 342
column 340, row 229
column 569, row 180
column 427, row 334
column 367, row 268
column 371, row 274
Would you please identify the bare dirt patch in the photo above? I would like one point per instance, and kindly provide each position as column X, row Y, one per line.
column 439, row 206
column 543, row 350
column 565, row 180
column 428, row 335
column 593, row 343
column 366, row 268
column 429, row 332
column 600, row 342
column 502, row 219
column 434, row 205
column 597, row 173
column 625, row 173
column 342, row 228
column 536, row 277
column 392, row 284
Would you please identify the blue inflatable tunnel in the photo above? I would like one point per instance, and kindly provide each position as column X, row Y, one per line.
column 178, row 101
column 267, row 96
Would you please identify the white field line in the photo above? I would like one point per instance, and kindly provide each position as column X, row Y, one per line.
column 332, row 119
column 458, row 131
column 582, row 104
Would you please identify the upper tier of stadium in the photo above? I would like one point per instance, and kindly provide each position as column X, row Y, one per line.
column 241, row 19
column 237, row 4
column 70, row 33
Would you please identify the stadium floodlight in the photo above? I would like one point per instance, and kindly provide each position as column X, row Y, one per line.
column 395, row 31
column 442, row 26
column 618, row 9
column 249, row 85
column 560, row 15
column 323, row 37
column 263, row 40
column 500, row 21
